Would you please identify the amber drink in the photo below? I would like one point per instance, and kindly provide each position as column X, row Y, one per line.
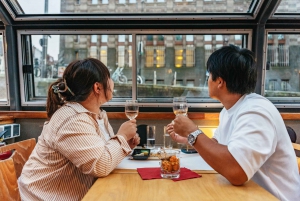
column 170, row 164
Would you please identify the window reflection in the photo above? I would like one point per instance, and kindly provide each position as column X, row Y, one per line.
column 283, row 65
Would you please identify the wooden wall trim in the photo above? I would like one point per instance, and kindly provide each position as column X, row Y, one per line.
column 6, row 115
column 112, row 115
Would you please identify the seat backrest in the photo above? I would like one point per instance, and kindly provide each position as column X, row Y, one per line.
column 22, row 151
column 292, row 134
column 297, row 147
column 9, row 190
column 11, row 168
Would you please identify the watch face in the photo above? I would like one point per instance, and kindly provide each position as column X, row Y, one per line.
column 191, row 138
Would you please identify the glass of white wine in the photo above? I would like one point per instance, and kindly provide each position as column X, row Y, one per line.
column 131, row 109
column 180, row 106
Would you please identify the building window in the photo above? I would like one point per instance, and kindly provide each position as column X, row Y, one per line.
column 94, row 1
column 178, row 56
column 121, row 38
column 285, row 85
column 160, row 56
column 190, row 83
column 103, row 55
column 272, row 84
column 93, row 52
column 160, row 38
column 190, row 38
column 149, row 56
column 219, row 38
column 78, row 2
column 104, row 1
column 130, row 56
column 76, row 39
column 121, row 56
column 280, row 36
column 149, row 37
column 190, row 57
column 178, row 37
column 238, row 37
column 278, row 55
column 207, row 38
column 94, row 38
column 104, row 38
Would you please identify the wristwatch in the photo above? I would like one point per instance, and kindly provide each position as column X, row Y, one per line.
column 193, row 136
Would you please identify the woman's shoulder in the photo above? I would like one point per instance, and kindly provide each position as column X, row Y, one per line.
column 70, row 110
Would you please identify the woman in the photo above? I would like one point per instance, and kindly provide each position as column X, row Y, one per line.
column 77, row 144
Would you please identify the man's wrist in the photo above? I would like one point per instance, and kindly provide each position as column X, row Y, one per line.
column 192, row 137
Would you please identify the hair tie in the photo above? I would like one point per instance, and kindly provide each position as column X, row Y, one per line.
column 57, row 90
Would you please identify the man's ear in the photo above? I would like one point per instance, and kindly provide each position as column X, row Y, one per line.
column 221, row 82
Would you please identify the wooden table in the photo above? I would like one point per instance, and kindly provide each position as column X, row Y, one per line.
column 127, row 185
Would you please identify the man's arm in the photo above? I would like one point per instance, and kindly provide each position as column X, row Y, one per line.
column 215, row 154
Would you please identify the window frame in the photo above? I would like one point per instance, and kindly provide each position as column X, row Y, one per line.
column 117, row 102
column 17, row 14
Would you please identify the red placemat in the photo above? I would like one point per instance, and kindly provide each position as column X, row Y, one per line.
column 154, row 173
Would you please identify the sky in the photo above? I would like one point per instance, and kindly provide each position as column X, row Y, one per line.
column 38, row 8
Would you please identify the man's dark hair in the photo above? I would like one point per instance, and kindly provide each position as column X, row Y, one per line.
column 236, row 66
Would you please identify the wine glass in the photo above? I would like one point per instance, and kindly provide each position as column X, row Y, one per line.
column 180, row 106
column 131, row 109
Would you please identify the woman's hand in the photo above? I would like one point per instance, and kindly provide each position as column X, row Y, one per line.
column 175, row 137
column 134, row 141
column 128, row 129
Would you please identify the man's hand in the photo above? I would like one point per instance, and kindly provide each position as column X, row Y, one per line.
column 183, row 126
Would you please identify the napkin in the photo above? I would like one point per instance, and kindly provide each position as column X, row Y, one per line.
column 154, row 173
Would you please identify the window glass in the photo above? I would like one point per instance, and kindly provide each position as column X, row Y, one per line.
column 166, row 65
column 288, row 6
column 3, row 85
column 94, row 38
column 104, row 38
column 282, row 77
column 182, row 72
column 52, row 53
column 133, row 6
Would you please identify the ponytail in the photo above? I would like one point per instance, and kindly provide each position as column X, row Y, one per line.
column 58, row 93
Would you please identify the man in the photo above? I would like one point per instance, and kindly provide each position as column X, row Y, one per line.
column 251, row 141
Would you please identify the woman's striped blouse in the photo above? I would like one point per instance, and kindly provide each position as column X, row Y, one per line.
column 70, row 154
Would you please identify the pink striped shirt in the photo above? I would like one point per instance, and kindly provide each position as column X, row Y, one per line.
column 70, row 154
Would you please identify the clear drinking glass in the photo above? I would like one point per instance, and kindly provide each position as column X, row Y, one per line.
column 131, row 109
column 167, row 139
column 180, row 106
column 151, row 136
column 170, row 164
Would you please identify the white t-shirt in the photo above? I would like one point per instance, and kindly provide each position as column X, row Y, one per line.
column 257, row 138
